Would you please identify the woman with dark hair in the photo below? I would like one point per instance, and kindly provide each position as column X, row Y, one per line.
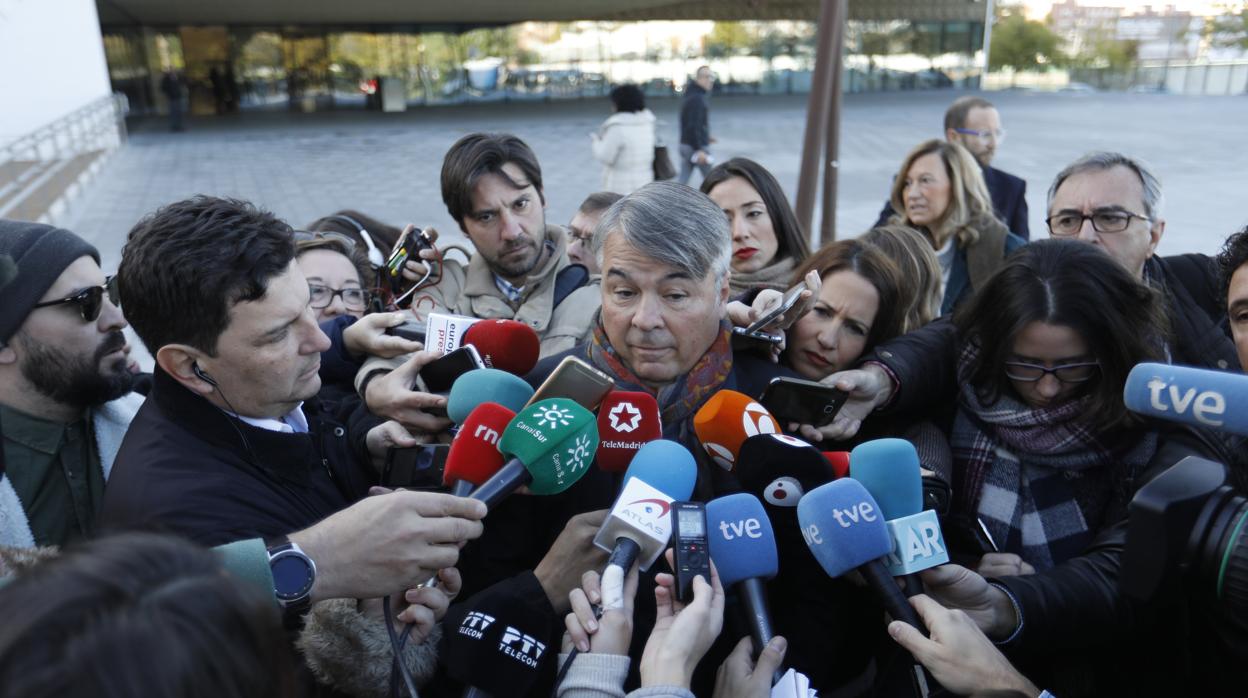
column 767, row 242
column 140, row 615
column 624, row 144
column 1044, row 448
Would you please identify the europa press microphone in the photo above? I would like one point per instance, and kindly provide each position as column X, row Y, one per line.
column 499, row 643
column 507, row 345
column 626, row 422
column 726, row 420
column 889, row 470
column 743, row 548
column 1200, row 397
column 549, row 446
column 474, row 456
column 486, row 385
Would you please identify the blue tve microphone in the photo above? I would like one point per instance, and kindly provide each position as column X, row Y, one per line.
column 1195, row 396
column 889, row 470
column 639, row 525
column 486, row 385
column 845, row 530
column 743, row 549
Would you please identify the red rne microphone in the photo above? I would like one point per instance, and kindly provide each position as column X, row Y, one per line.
column 474, row 455
column 507, row 345
column 626, row 422
column 839, row 461
column 726, row 421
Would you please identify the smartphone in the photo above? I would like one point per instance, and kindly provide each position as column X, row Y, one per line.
column 802, row 401
column 690, row 554
column 410, row 329
column 409, row 245
column 575, row 380
column 790, row 299
column 439, row 375
column 419, row 467
column 759, row 335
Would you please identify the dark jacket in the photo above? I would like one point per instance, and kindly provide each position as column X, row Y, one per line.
column 968, row 272
column 188, row 467
column 1009, row 201
column 695, row 109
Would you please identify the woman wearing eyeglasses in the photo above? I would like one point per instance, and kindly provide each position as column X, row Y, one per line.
column 1044, row 449
column 334, row 269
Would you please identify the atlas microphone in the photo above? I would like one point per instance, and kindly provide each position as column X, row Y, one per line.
column 626, row 422
column 474, row 457
column 549, row 446
column 743, row 548
column 889, row 470
column 726, row 420
column 486, row 385
column 1199, row 397
column 507, row 345
column 662, row 472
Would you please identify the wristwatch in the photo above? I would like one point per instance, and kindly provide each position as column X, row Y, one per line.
column 293, row 575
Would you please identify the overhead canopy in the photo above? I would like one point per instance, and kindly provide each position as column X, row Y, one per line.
column 380, row 14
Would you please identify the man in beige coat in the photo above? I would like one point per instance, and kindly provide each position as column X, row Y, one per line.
column 492, row 185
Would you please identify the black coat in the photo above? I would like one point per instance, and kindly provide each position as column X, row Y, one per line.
column 1009, row 201
column 695, row 109
column 188, row 467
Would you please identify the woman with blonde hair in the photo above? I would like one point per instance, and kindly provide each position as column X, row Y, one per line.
column 940, row 191
column 920, row 290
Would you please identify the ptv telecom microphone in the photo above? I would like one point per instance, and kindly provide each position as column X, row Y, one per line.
column 1195, row 396
column 496, row 643
column 662, row 472
column 626, row 422
column 507, row 345
column 474, row 455
column 549, row 446
column 743, row 549
column 726, row 421
column 483, row 385
column 889, row 470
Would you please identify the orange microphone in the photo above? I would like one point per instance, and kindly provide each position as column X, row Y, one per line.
column 726, row 421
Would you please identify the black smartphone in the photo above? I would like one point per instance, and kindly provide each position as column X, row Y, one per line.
column 416, row 468
column 758, row 335
column 802, row 401
column 690, row 555
column 409, row 245
column 410, row 329
column 789, row 300
column 439, row 375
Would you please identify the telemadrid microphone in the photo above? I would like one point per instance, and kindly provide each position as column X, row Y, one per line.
column 507, row 345
column 839, row 461
column 1195, row 396
column 474, row 455
column 845, row 530
column 549, row 446
column 496, row 643
column 626, row 422
column 486, row 385
column 726, row 421
column 662, row 472
column 743, row 548
column 889, row 470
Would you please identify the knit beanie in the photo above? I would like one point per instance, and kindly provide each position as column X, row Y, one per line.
column 41, row 253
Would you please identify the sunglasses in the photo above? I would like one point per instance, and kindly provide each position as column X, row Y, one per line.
column 89, row 300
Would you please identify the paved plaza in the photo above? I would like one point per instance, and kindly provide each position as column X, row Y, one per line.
column 307, row 165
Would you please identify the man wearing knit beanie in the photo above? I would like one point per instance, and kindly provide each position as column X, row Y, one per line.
column 65, row 385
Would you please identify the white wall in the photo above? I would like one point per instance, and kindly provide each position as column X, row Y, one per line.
column 51, row 62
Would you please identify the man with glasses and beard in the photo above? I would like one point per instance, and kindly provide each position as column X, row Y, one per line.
column 65, row 385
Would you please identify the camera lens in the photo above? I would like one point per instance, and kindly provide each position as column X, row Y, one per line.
column 1227, row 559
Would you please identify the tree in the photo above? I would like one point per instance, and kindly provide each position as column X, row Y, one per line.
column 1022, row 44
column 1230, row 29
column 726, row 39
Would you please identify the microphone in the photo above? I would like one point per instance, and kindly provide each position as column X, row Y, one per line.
column 662, row 472
column 549, row 446
column 779, row 469
column 743, row 549
column 486, row 385
column 845, row 530
column 1195, row 396
column 726, row 421
column 889, row 470
column 626, row 421
column 506, row 345
column 474, row 455
column 496, row 644
column 839, row 461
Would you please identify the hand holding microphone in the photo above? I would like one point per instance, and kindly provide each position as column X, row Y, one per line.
column 682, row 632
column 613, row 631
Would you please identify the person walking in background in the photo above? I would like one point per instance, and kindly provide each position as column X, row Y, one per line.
column 625, row 142
column 171, row 88
column 695, row 128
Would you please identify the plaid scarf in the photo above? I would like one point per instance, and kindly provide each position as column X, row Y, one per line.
column 1043, row 480
column 680, row 400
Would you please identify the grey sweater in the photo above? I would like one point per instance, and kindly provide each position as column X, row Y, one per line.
column 602, row 676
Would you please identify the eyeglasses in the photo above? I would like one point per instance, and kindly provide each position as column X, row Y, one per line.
column 1070, row 223
column 89, row 300
column 352, row 298
column 1066, row 373
column 996, row 134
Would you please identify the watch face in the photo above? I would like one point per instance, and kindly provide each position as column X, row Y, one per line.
column 292, row 578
